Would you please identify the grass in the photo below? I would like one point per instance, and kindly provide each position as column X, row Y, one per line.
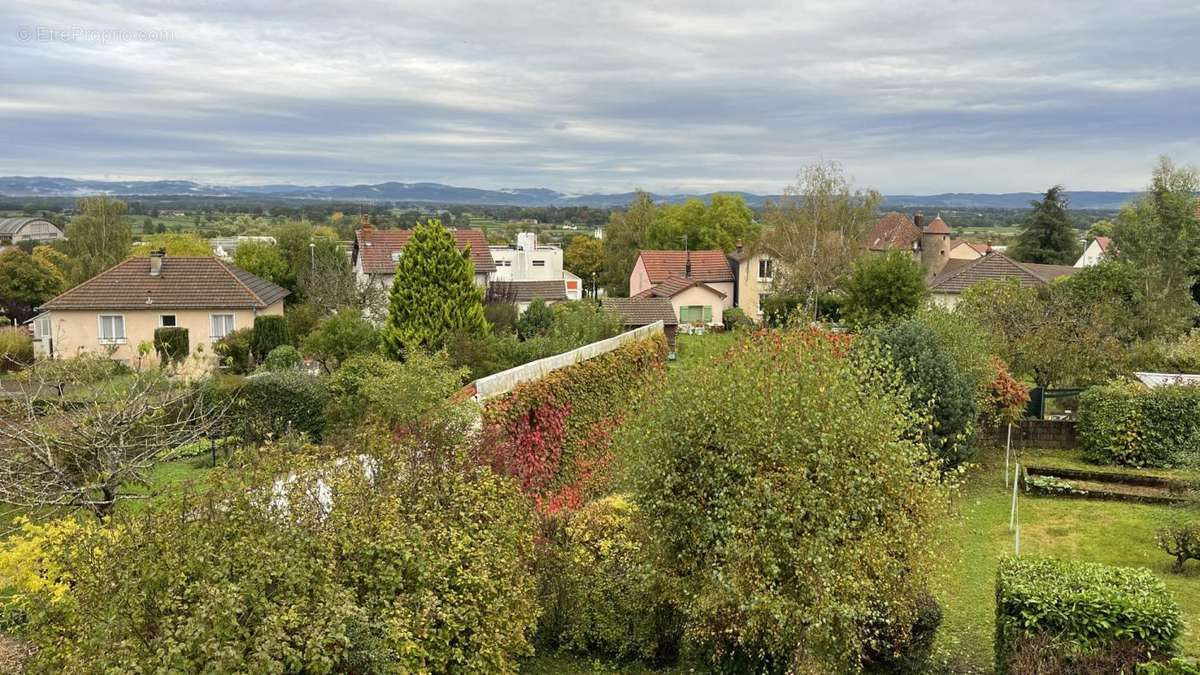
column 1114, row 533
column 1073, row 459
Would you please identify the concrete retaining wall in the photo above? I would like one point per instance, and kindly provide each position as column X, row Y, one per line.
column 506, row 380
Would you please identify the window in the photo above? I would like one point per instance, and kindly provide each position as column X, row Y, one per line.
column 764, row 268
column 222, row 325
column 694, row 313
column 396, row 255
column 166, row 321
column 539, row 263
column 112, row 329
column 41, row 327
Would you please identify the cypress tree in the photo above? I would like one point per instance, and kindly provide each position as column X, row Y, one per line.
column 1047, row 236
column 433, row 295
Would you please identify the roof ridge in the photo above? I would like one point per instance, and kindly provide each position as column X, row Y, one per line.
column 229, row 269
column 1021, row 266
column 940, row 280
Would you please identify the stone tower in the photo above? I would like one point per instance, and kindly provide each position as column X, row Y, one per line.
column 935, row 245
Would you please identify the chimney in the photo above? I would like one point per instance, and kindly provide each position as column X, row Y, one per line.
column 739, row 246
column 918, row 220
column 988, row 250
column 687, row 266
column 156, row 260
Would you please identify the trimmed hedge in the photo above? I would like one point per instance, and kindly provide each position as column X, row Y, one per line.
column 274, row 403
column 1129, row 424
column 1083, row 608
column 171, row 344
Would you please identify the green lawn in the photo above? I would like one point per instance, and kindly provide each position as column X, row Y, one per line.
column 1114, row 533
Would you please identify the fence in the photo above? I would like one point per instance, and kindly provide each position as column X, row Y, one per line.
column 1039, row 434
column 506, row 380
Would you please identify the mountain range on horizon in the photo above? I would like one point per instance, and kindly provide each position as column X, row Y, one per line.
column 438, row 193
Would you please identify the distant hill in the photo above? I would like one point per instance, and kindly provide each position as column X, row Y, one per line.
column 42, row 186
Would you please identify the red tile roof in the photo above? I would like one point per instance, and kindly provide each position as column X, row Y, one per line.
column 893, row 230
column 981, row 249
column 1105, row 243
column 955, row 278
column 709, row 266
column 937, row 226
column 184, row 283
column 377, row 246
column 674, row 286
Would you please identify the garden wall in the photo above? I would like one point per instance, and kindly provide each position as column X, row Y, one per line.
column 507, row 380
column 1059, row 434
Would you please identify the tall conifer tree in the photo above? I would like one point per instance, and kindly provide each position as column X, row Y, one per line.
column 433, row 295
column 1047, row 236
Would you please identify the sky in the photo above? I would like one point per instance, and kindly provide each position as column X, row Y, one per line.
column 909, row 97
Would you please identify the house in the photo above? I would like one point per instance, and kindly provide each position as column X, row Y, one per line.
column 529, row 261
column 955, row 276
column 699, row 284
column 754, row 275
column 895, row 230
column 968, row 250
column 1095, row 252
column 638, row 312
column 13, row 231
column 118, row 310
column 521, row 293
column 376, row 252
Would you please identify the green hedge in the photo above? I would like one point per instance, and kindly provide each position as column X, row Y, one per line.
column 1083, row 608
column 273, row 403
column 171, row 344
column 1132, row 425
column 269, row 333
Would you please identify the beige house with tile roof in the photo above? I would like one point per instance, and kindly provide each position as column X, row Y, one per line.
column 956, row 276
column 118, row 310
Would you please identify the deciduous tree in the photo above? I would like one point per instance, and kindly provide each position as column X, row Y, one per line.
column 624, row 236
column 98, row 237
column 883, row 288
column 25, row 283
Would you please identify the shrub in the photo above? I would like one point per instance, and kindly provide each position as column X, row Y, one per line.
column 937, row 385
column 535, row 320
column 735, row 319
column 612, row 599
column 340, row 337
column 1180, row 539
column 1128, row 424
column 413, row 568
column 16, row 349
column 1082, row 608
column 301, row 320
column 908, row 652
column 770, row 572
column 275, row 403
column 283, row 357
column 1006, row 399
column 1175, row 666
column 234, row 351
column 386, row 394
column 171, row 344
column 778, row 309
column 884, row 288
column 269, row 333
column 502, row 316
column 581, row 323
column 1040, row 654
column 87, row 368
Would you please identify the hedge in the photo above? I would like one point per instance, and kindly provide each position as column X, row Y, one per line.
column 171, row 344
column 274, row 403
column 553, row 432
column 1082, row 608
column 1129, row 424
column 269, row 333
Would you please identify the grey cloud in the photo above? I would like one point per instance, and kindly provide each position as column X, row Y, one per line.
column 930, row 96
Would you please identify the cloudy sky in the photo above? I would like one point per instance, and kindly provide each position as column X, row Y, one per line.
column 917, row 97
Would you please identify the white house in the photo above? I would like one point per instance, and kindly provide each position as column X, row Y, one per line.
column 528, row 261
column 1095, row 252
